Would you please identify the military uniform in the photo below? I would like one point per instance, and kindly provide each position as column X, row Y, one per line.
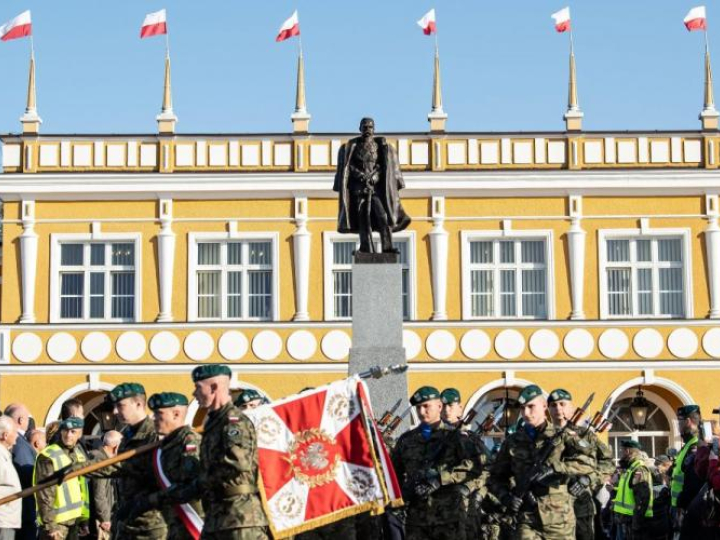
column 633, row 504
column 134, row 477
column 103, row 497
column 546, row 511
column 65, row 508
column 437, row 460
column 227, row 481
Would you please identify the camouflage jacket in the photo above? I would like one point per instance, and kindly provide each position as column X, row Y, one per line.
column 180, row 459
column 447, row 451
column 517, row 457
column 102, row 492
column 228, row 479
column 135, row 479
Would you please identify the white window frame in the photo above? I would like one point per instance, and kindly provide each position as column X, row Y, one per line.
column 520, row 235
column 56, row 239
column 195, row 238
column 332, row 236
column 645, row 233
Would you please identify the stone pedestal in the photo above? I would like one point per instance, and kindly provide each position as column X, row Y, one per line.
column 377, row 329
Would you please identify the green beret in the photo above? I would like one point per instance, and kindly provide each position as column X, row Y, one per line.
column 126, row 390
column 559, row 395
column 687, row 410
column 208, row 371
column 163, row 400
column 247, row 396
column 630, row 444
column 72, row 423
column 450, row 395
column 529, row 393
column 426, row 393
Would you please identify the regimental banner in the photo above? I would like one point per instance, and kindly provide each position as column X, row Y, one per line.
column 321, row 458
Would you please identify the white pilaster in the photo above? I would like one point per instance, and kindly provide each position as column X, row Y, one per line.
column 301, row 252
column 712, row 244
column 166, row 260
column 576, row 247
column 439, row 259
column 28, row 261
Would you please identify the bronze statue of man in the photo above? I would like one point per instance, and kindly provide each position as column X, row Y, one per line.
column 368, row 181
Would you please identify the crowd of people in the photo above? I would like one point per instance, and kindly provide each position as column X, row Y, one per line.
column 551, row 477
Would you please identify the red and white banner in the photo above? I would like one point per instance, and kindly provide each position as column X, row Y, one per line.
column 290, row 28
column 319, row 458
column 562, row 19
column 427, row 23
column 187, row 514
column 696, row 19
column 155, row 24
column 19, row 27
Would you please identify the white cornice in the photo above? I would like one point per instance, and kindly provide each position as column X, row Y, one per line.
column 318, row 185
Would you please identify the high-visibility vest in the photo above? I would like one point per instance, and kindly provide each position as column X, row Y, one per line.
column 678, row 476
column 624, row 502
column 71, row 497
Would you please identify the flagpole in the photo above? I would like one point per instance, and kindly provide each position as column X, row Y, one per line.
column 167, row 43
column 32, row 48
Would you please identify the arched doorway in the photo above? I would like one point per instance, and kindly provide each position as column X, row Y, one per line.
column 489, row 402
column 659, row 433
column 95, row 408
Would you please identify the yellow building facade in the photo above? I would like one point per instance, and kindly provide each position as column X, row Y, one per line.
column 583, row 260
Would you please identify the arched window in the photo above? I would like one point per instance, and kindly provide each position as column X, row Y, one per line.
column 655, row 438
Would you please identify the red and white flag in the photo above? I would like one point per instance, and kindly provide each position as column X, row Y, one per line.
column 187, row 514
column 562, row 19
column 696, row 19
column 290, row 28
column 19, row 27
column 320, row 459
column 427, row 23
column 155, row 24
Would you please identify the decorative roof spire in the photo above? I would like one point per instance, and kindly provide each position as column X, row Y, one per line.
column 709, row 115
column 573, row 116
column 166, row 119
column 30, row 120
column 437, row 116
column 300, row 118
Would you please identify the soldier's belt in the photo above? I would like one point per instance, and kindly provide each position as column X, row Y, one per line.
column 242, row 489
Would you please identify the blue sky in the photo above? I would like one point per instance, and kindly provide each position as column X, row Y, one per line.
column 503, row 66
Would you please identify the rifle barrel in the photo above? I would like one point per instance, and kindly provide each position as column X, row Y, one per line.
column 80, row 472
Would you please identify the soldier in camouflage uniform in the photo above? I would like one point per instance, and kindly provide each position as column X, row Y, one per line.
column 103, row 489
column 134, row 476
column 433, row 465
column 546, row 510
column 180, row 460
column 582, row 487
column 227, row 481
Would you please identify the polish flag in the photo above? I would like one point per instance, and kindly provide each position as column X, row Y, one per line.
column 696, row 19
column 427, row 23
column 289, row 28
column 19, row 27
column 562, row 20
column 155, row 24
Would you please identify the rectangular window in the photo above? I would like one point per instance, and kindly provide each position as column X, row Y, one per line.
column 234, row 279
column 644, row 277
column 341, row 271
column 508, row 278
column 97, row 281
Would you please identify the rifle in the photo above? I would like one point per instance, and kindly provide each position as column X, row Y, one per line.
column 385, row 419
column 59, row 477
column 607, row 423
column 523, row 488
column 395, row 423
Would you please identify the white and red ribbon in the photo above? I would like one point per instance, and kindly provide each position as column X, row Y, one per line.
column 187, row 514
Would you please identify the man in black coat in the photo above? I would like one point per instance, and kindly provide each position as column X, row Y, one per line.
column 24, row 460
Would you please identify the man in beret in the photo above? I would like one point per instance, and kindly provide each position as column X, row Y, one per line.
column 248, row 400
column 585, row 442
column 134, row 476
column 452, row 410
column 546, row 509
column 227, row 481
column 433, row 464
column 633, row 504
column 63, row 511
column 177, row 462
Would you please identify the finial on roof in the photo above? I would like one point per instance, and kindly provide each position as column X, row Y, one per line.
column 300, row 117
column 166, row 119
column 30, row 120
column 437, row 116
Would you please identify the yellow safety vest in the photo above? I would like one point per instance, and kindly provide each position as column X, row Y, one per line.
column 71, row 497
column 678, row 476
column 624, row 502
